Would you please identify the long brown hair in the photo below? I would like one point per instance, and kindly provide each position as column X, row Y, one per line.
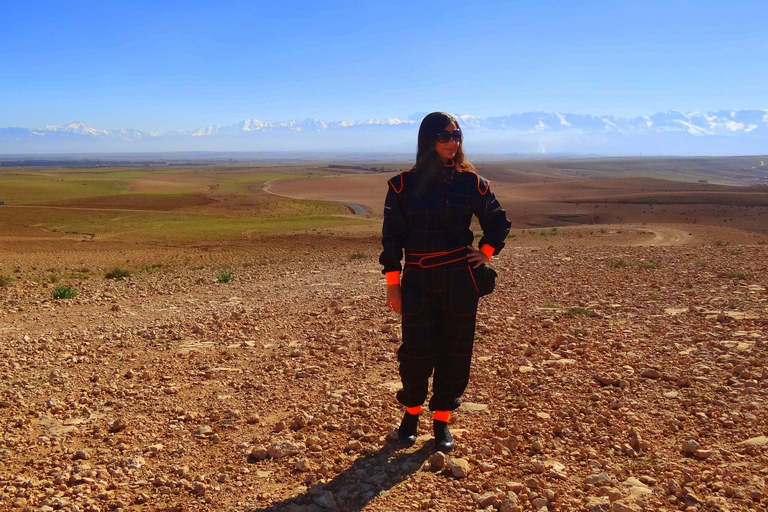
column 426, row 156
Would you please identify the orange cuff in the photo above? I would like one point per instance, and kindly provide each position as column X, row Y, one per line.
column 413, row 411
column 393, row 277
column 488, row 251
column 443, row 416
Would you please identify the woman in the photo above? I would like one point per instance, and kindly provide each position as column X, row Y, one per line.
column 427, row 215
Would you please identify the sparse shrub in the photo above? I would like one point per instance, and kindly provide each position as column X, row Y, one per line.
column 701, row 264
column 224, row 276
column 737, row 274
column 357, row 255
column 720, row 243
column 578, row 311
column 551, row 305
column 650, row 265
column 117, row 274
column 64, row 292
column 579, row 333
column 618, row 263
column 5, row 281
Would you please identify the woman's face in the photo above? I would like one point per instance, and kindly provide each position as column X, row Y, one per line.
column 447, row 150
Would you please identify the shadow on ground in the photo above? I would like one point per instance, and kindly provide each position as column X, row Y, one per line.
column 368, row 477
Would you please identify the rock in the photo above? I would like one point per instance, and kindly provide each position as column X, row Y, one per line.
column 703, row 454
column 326, row 500
column 509, row 504
column 613, row 493
column 354, row 445
column 83, row 454
column 282, row 449
column 133, row 462
column 755, row 441
column 118, row 425
column 489, row 499
column 437, row 461
column 637, row 491
column 257, row 453
column 598, row 479
column 597, row 504
column 608, row 379
column 690, row 446
column 620, row 506
column 469, row 406
column 204, row 431
column 301, row 420
column 459, row 468
column 650, row 373
column 532, row 483
column 182, row 471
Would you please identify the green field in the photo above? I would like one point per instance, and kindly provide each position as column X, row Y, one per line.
column 165, row 206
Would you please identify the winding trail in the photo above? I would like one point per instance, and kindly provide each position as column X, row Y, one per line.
column 354, row 208
column 663, row 236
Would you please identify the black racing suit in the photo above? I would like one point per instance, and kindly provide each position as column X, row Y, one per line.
column 428, row 214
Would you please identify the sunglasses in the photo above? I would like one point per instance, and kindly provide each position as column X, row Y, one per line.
column 444, row 136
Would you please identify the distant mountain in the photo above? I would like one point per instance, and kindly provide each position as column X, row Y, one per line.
column 729, row 132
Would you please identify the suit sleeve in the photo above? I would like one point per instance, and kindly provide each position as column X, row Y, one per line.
column 394, row 232
column 493, row 219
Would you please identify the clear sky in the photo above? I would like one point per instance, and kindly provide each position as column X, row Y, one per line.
column 173, row 65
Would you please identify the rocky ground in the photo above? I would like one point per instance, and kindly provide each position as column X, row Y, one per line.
column 615, row 369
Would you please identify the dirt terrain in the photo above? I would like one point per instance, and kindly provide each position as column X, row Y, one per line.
column 616, row 368
column 620, row 365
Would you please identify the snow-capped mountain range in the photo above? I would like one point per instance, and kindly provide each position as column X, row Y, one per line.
column 730, row 132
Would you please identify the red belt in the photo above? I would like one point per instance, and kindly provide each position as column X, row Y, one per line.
column 456, row 257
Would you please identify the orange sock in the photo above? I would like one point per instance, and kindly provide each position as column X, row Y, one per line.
column 443, row 416
column 413, row 411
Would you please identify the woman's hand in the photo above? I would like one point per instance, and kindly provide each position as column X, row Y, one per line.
column 395, row 298
column 476, row 258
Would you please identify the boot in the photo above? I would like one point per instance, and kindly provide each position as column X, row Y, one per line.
column 443, row 439
column 408, row 427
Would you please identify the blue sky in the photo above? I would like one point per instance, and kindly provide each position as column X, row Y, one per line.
column 171, row 65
